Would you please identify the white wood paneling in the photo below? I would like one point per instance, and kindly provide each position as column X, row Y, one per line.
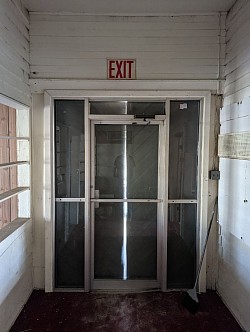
column 171, row 47
column 234, row 216
column 234, row 201
column 237, row 280
column 16, row 282
column 235, row 118
column 237, row 62
column 234, row 210
column 129, row 7
column 16, row 274
column 14, row 52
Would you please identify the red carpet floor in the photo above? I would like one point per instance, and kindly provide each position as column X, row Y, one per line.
column 144, row 312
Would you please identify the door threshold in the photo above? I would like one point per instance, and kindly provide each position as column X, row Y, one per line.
column 125, row 285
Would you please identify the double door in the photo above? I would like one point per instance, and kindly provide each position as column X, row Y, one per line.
column 110, row 201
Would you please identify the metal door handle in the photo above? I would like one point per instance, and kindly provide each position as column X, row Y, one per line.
column 97, row 195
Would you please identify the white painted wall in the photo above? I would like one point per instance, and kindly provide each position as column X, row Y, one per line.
column 178, row 47
column 129, row 7
column 14, row 51
column 234, row 186
column 237, row 61
column 73, row 49
column 15, row 272
column 16, row 282
column 171, row 47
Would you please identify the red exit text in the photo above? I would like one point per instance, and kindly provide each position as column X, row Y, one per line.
column 121, row 69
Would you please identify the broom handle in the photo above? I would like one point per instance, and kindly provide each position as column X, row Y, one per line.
column 205, row 245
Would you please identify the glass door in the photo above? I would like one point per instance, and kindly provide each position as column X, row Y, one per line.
column 183, row 193
column 124, row 217
column 69, row 193
column 125, row 205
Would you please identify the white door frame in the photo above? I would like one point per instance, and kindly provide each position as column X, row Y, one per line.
column 49, row 190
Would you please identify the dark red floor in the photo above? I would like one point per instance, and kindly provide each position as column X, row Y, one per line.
column 144, row 312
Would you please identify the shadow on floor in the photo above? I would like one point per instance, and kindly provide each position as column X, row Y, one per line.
column 143, row 312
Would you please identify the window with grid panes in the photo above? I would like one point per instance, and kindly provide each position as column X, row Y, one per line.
column 14, row 165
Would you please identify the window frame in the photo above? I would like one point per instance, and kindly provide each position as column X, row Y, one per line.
column 7, row 230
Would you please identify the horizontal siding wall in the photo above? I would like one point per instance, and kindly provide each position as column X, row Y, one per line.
column 16, row 282
column 14, row 52
column 237, row 62
column 15, row 272
column 234, row 186
column 173, row 47
column 234, row 211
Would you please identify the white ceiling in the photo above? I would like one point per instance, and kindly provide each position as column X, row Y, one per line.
column 130, row 7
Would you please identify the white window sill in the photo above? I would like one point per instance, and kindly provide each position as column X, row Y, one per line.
column 11, row 232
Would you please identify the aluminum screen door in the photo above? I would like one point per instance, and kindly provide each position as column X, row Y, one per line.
column 125, row 205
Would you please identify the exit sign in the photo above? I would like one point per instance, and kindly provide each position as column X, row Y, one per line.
column 121, row 69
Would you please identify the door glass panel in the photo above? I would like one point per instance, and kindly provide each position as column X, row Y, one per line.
column 125, row 107
column 146, row 108
column 108, row 107
column 69, row 148
column 183, row 149
column 127, row 161
column 69, row 246
column 181, row 247
column 126, row 241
